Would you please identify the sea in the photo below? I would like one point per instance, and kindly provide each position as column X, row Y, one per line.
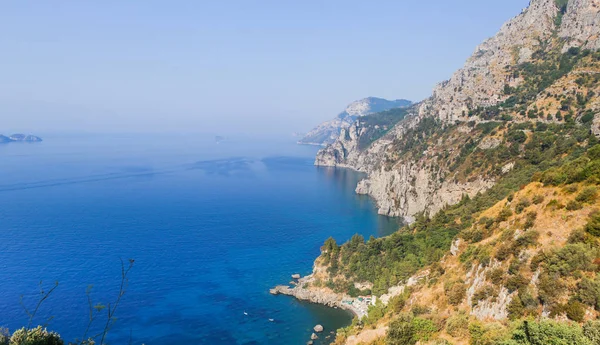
column 211, row 224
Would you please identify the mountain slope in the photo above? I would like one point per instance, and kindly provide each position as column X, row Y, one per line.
column 328, row 131
column 499, row 173
column 503, row 81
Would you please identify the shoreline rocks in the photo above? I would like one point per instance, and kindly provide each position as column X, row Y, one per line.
column 303, row 291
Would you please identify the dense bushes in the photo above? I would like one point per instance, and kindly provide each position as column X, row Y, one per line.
column 571, row 258
column 593, row 225
column 523, row 304
column 588, row 292
column 401, row 331
column 575, row 311
column 587, row 195
column 585, row 168
column 457, row 325
column 591, row 330
column 35, row 336
column 407, row 330
column 455, row 292
column 547, row 332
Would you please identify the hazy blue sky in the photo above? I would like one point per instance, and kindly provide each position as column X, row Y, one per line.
column 225, row 65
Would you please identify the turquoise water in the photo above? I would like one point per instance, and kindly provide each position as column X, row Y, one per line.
column 211, row 228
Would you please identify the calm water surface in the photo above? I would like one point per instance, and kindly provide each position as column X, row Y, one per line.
column 211, row 228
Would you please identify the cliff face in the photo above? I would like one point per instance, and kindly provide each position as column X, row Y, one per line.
column 328, row 131
column 405, row 184
column 581, row 24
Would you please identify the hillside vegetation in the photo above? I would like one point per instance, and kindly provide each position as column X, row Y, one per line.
column 516, row 263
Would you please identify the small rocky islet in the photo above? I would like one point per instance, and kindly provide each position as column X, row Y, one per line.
column 28, row 138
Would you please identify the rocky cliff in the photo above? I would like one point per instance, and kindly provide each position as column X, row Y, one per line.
column 328, row 131
column 504, row 81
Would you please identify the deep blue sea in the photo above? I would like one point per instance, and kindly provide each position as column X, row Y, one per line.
column 211, row 226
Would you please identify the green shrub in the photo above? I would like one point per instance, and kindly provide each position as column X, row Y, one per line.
column 528, row 238
column 495, row 276
column 457, row 325
column 516, row 137
column 587, row 195
column 418, row 309
column 515, row 266
column 549, row 289
column 593, row 225
column 575, row 311
column 523, row 204
column 523, row 304
column 503, row 252
column 515, row 309
column 35, row 336
column 482, row 294
column 530, row 220
column 516, row 282
column 401, row 331
column 503, row 215
column 548, row 333
column 538, row 199
column 554, row 205
column 397, row 303
column 579, row 236
column 423, row 329
column 594, row 152
column 574, row 205
column 571, row 258
column 591, row 330
column 588, row 292
column 455, row 292
column 486, row 334
column 570, row 189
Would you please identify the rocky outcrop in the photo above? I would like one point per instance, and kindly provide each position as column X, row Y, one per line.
column 481, row 81
column 581, row 24
column 490, row 308
column 408, row 186
column 313, row 295
column 327, row 132
column 409, row 189
column 304, row 291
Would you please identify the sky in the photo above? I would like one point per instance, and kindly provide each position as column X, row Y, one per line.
column 225, row 66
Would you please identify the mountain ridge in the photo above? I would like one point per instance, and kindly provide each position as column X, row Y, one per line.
column 327, row 132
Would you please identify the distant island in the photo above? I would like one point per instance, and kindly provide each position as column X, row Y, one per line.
column 19, row 138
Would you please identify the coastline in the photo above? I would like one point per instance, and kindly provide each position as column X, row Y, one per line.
column 304, row 290
column 309, row 288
